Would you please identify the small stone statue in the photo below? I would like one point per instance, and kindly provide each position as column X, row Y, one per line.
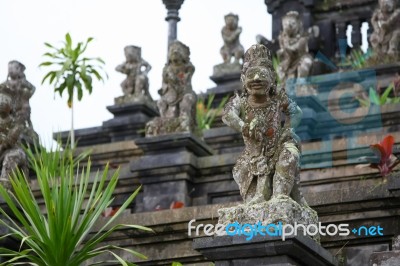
column 177, row 104
column 268, row 170
column 385, row 40
column 22, row 90
column 231, row 48
column 136, row 85
column 295, row 61
column 11, row 154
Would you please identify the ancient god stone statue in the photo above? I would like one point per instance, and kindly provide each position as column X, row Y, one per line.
column 15, row 121
column 232, row 51
column 385, row 40
column 136, row 85
column 177, row 104
column 295, row 61
column 22, row 90
column 268, row 170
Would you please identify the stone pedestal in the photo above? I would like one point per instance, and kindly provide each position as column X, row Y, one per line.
column 227, row 84
column 387, row 258
column 129, row 120
column 263, row 250
column 167, row 170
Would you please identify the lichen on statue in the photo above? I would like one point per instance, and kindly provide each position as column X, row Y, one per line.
column 385, row 40
column 136, row 85
column 268, row 170
column 177, row 105
column 11, row 129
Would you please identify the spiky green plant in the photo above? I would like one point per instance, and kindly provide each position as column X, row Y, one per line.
column 376, row 99
column 62, row 234
column 205, row 115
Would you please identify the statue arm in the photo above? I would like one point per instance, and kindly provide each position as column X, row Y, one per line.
column 122, row 68
column 231, row 37
column 394, row 19
column 301, row 45
column 374, row 21
column 147, row 66
column 231, row 114
column 29, row 86
column 292, row 111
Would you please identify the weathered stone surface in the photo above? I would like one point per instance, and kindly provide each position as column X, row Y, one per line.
column 280, row 209
column 263, row 250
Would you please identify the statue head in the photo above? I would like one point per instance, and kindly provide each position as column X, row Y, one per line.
column 292, row 24
column 258, row 75
column 231, row 21
column 387, row 6
column 16, row 70
column 133, row 53
column 178, row 54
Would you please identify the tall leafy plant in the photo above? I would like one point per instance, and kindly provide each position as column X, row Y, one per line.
column 75, row 72
column 63, row 234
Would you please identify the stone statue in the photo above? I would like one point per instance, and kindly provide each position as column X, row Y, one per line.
column 231, row 48
column 22, row 90
column 385, row 40
column 295, row 61
column 11, row 153
column 136, row 85
column 177, row 104
column 268, row 170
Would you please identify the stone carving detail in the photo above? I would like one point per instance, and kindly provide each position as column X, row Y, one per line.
column 177, row 104
column 385, row 40
column 15, row 123
column 136, row 85
column 268, row 170
column 231, row 48
column 295, row 61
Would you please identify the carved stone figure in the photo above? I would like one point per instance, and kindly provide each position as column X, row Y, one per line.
column 22, row 90
column 385, row 40
column 231, row 48
column 136, row 85
column 295, row 61
column 11, row 154
column 177, row 104
column 268, row 170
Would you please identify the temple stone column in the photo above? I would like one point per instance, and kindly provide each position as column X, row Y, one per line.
column 172, row 18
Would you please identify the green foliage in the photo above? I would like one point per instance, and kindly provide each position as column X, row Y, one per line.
column 377, row 99
column 205, row 115
column 275, row 64
column 358, row 59
column 175, row 263
column 76, row 72
column 73, row 202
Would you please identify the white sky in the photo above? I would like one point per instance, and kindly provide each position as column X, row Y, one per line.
column 25, row 25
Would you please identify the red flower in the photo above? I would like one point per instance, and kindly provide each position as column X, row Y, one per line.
column 176, row 205
column 386, row 159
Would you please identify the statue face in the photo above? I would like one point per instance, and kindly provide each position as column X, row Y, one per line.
column 291, row 25
column 176, row 58
column 257, row 80
column 14, row 70
column 387, row 5
column 231, row 22
column 132, row 55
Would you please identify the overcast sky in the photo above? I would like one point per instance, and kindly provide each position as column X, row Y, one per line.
column 25, row 25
